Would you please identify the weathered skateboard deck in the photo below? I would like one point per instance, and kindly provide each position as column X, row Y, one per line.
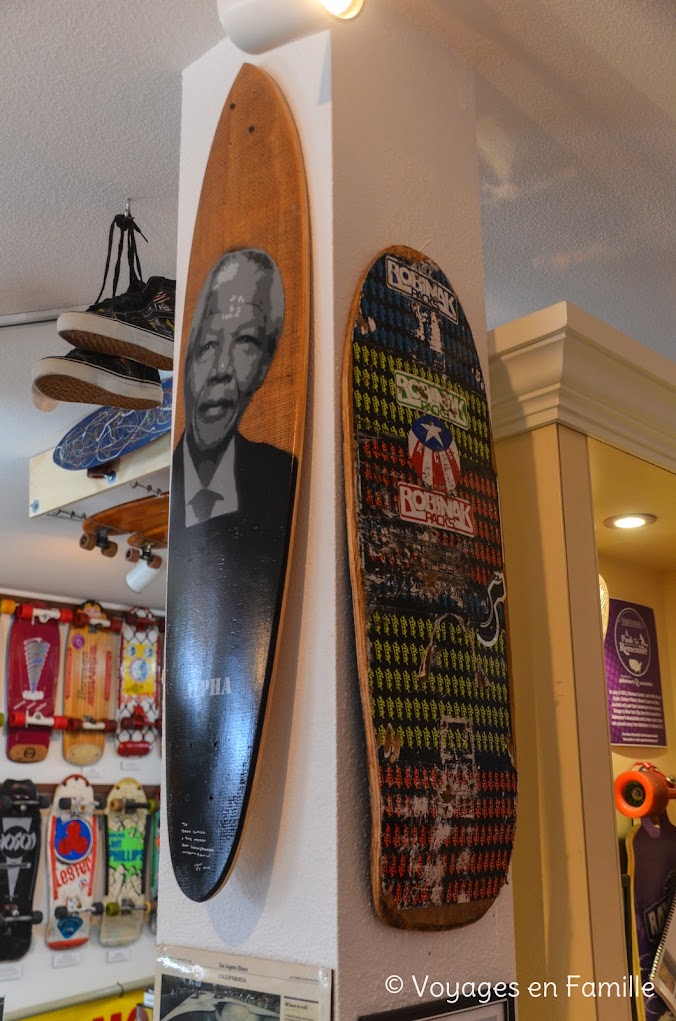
column 240, row 407
column 109, row 433
column 20, row 832
column 428, row 597
column 72, row 840
column 125, row 904
column 32, row 675
column 145, row 520
column 154, row 863
column 137, row 699
column 91, row 658
column 651, row 853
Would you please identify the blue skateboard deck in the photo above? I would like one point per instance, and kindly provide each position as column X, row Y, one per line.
column 110, row 433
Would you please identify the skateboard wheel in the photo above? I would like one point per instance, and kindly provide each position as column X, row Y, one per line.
column 155, row 562
column 36, row 917
column 65, row 804
column 5, row 803
column 61, row 912
column 640, row 792
column 113, row 909
column 44, row 801
column 97, row 908
column 109, row 550
column 133, row 555
column 87, row 541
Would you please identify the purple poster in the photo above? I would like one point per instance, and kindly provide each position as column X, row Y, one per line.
column 633, row 676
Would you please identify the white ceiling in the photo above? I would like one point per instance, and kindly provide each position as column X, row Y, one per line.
column 575, row 105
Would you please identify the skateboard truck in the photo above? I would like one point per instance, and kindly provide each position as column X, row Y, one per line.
column 23, row 719
column 643, row 790
column 14, row 806
column 78, row 807
column 127, row 805
column 70, row 911
column 10, row 915
column 125, row 907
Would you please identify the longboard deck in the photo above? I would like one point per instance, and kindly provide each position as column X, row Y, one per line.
column 125, row 864
column 227, row 575
column 32, row 674
column 90, row 655
column 20, row 841
column 428, row 592
column 72, row 841
column 651, row 852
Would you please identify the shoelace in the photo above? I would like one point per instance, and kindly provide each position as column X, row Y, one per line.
column 127, row 225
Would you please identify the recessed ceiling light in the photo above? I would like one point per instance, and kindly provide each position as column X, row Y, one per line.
column 630, row 521
column 343, row 8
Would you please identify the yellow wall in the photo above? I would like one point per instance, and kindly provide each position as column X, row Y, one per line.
column 112, row 1008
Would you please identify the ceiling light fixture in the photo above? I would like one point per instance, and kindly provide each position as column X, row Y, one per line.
column 259, row 25
column 630, row 521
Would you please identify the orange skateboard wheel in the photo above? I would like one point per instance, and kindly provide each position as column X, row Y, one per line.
column 640, row 792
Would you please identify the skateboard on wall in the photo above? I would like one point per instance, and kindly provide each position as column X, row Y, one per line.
column 138, row 700
column 20, row 833
column 145, row 521
column 651, row 852
column 250, row 258
column 91, row 660
column 126, row 908
column 32, row 676
column 72, row 847
column 428, row 596
column 96, row 443
column 153, row 864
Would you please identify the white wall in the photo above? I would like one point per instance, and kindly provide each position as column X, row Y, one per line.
column 370, row 105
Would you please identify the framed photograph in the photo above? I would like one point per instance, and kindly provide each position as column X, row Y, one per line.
column 197, row 985
column 475, row 1008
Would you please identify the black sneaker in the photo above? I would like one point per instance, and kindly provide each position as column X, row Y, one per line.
column 88, row 378
column 138, row 324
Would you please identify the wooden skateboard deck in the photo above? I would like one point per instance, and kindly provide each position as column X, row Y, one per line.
column 125, row 903
column 146, row 520
column 428, row 593
column 137, row 700
column 20, row 833
column 32, row 675
column 240, row 406
column 72, row 841
column 651, row 853
column 91, row 656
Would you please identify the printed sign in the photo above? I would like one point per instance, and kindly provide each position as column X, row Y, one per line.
column 112, row 1008
column 633, row 676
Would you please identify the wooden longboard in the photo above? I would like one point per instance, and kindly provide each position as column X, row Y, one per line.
column 137, row 699
column 32, row 674
column 20, row 839
column 125, row 904
column 144, row 519
column 428, row 597
column 227, row 573
column 651, row 852
column 72, row 839
column 91, row 655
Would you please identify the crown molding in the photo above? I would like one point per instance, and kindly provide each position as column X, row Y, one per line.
column 562, row 365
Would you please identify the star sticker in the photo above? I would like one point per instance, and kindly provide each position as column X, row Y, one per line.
column 433, row 432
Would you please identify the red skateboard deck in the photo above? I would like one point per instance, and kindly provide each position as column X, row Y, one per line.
column 91, row 655
column 137, row 702
column 32, row 673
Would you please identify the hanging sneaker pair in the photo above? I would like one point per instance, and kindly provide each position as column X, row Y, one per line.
column 118, row 343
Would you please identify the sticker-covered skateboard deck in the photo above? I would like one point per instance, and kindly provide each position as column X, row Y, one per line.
column 651, row 858
column 137, row 701
column 154, row 863
column 72, row 840
column 240, row 407
column 90, row 657
column 428, row 597
column 20, row 832
column 32, row 675
column 125, row 909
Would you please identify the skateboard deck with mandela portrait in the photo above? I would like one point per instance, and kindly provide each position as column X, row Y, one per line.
column 428, row 596
column 240, row 407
